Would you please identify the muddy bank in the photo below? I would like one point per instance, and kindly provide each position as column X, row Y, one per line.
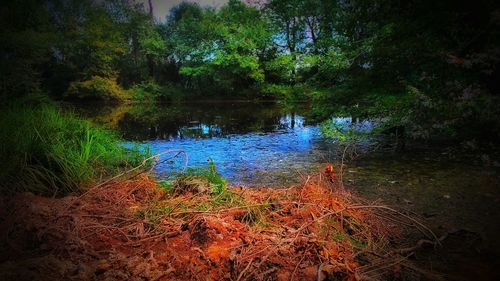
column 134, row 230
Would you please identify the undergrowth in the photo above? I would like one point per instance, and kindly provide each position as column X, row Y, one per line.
column 48, row 152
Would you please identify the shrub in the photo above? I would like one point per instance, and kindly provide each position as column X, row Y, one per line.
column 100, row 88
column 146, row 91
column 281, row 69
column 151, row 91
column 48, row 152
column 275, row 90
column 284, row 92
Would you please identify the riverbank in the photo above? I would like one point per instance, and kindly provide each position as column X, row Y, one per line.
column 139, row 229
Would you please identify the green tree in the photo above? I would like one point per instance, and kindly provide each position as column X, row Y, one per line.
column 221, row 50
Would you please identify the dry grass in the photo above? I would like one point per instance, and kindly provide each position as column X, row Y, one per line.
column 133, row 230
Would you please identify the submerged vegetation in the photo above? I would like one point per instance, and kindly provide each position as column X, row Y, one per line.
column 48, row 152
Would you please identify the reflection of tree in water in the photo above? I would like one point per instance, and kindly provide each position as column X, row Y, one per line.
column 142, row 122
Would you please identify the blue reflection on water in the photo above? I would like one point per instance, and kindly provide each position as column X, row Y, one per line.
column 349, row 123
column 256, row 158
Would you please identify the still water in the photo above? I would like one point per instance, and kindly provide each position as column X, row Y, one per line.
column 265, row 144
column 255, row 144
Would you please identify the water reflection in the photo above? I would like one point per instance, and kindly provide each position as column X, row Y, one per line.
column 355, row 124
column 189, row 121
column 254, row 158
column 251, row 144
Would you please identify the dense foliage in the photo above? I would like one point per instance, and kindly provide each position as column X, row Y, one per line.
column 431, row 67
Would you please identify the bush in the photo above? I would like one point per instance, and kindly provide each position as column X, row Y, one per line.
column 275, row 90
column 48, row 152
column 281, row 69
column 284, row 92
column 151, row 91
column 146, row 91
column 99, row 88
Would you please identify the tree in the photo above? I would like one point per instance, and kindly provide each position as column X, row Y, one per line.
column 288, row 17
column 220, row 49
column 26, row 35
column 146, row 49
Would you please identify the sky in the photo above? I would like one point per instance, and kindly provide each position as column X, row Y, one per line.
column 162, row 7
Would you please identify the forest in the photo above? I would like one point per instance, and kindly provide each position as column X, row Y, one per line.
column 432, row 67
column 249, row 139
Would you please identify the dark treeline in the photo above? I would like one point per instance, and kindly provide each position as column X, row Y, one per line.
column 431, row 66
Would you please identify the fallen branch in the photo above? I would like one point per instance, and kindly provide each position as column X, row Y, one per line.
column 420, row 243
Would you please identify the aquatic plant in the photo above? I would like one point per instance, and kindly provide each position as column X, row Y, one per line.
column 49, row 152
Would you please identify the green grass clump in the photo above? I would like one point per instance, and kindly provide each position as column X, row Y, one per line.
column 48, row 152
column 154, row 213
column 206, row 176
column 166, row 185
column 207, row 179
